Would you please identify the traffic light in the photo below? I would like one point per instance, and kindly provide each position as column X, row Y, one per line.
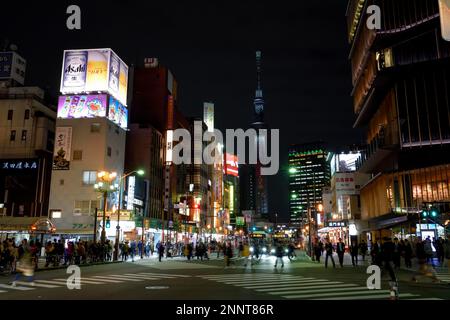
column 424, row 213
column 108, row 222
column 434, row 212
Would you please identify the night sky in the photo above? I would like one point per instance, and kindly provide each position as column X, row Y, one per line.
column 210, row 48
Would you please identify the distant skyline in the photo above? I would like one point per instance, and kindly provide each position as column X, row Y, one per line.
column 210, row 48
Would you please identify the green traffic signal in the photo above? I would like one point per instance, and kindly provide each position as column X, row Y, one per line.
column 108, row 223
column 434, row 212
column 424, row 213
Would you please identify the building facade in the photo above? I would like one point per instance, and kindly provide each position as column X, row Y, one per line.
column 400, row 76
column 309, row 172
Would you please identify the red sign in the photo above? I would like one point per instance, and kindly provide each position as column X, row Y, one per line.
column 231, row 165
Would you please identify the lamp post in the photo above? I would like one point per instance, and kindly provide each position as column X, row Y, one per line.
column 116, row 244
column 104, row 186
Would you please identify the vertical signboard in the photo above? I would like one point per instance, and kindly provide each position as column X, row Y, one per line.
column 12, row 66
column 63, row 145
column 444, row 10
column 208, row 115
column 130, row 192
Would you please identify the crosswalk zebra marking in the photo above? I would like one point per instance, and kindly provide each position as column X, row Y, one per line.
column 37, row 285
column 15, row 288
column 303, row 291
column 60, row 282
column 118, row 278
column 308, row 282
column 165, row 274
column 104, row 280
column 82, row 281
column 333, row 294
column 330, row 285
column 2, row 291
column 374, row 296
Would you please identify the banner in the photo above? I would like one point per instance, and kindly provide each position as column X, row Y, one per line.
column 82, row 106
column 63, row 144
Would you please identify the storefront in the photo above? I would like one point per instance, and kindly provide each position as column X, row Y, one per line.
column 28, row 228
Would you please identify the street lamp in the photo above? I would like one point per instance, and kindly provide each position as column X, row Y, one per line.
column 116, row 244
column 104, row 186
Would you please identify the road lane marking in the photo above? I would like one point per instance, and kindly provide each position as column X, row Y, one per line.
column 83, row 281
column 61, row 282
column 118, row 278
column 15, row 288
column 330, row 290
column 38, row 285
column 328, row 285
column 375, row 296
column 103, row 280
column 334, row 294
column 299, row 283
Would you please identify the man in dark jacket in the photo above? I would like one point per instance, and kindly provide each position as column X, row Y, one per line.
column 161, row 251
column 329, row 253
column 354, row 253
column 279, row 252
column 340, row 250
column 387, row 254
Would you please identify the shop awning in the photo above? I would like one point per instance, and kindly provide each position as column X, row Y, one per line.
column 388, row 221
column 75, row 232
column 26, row 224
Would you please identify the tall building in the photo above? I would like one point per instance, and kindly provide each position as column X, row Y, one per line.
column 254, row 188
column 400, row 76
column 231, row 189
column 90, row 138
column 154, row 117
column 27, row 134
column 309, row 172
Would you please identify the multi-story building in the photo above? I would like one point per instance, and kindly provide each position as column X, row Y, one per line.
column 231, row 190
column 400, row 76
column 309, row 172
column 90, row 138
column 341, row 213
column 27, row 133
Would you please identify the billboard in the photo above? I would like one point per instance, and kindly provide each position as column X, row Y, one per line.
column 231, row 165
column 12, row 66
column 208, row 115
column 63, row 146
column 94, row 70
column 345, row 184
column 82, row 106
column 117, row 113
column 344, row 162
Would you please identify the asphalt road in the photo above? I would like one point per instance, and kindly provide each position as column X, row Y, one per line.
column 178, row 279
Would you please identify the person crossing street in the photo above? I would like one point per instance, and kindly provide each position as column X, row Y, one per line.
column 340, row 250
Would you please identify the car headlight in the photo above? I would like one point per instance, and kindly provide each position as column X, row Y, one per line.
column 264, row 249
column 272, row 251
column 251, row 249
column 286, row 250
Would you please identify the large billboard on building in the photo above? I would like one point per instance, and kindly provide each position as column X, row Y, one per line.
column 12, row 66
column 63, row 148
column 344, row 162
column 94, row 70
column 82, row 106
column 444, row 9
column 231, row 165
column 117, row 113
column 208, row 115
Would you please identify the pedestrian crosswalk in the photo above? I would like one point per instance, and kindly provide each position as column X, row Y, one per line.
column 304, row 288
column 443, row 276
column 92, row 280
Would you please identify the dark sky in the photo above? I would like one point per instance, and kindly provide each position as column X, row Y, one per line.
column 210, row 47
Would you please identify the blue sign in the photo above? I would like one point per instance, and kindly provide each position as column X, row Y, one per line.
column 6, row 60
column 19, row 165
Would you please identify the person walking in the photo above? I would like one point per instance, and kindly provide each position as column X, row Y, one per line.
column 425, row 270
column 397, row 253
column 363, row 250
column 25, row 264
column 291, row 251
column 132, row 250
column 407, row 249
column 340, row 250
column 318, row 249
column 228, row 254
column 279, row 253
column 428, row 250
column 354, row 253
column 387, row 255
column 440, row 251
column 447, row 251
column 160, row 251
column 245, row 253
column 329, row 253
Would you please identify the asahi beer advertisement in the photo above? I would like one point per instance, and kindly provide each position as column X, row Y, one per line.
column 117, row 113
column 63, row 144
column 94, row 70
column 82, row 106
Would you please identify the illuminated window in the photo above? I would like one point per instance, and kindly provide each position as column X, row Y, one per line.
column 89, row 177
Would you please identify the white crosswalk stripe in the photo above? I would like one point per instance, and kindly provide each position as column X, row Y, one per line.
column 2, row 291
column 6, row 286
column 445, row 277
column 82, row 281
column 117, row 277
column 37, row 285
column 298, row 287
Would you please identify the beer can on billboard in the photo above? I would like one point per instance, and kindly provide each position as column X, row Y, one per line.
column 74, row 73
column 97, row 70
column 114, row 67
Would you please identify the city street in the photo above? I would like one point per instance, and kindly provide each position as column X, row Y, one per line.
column 175, row 279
